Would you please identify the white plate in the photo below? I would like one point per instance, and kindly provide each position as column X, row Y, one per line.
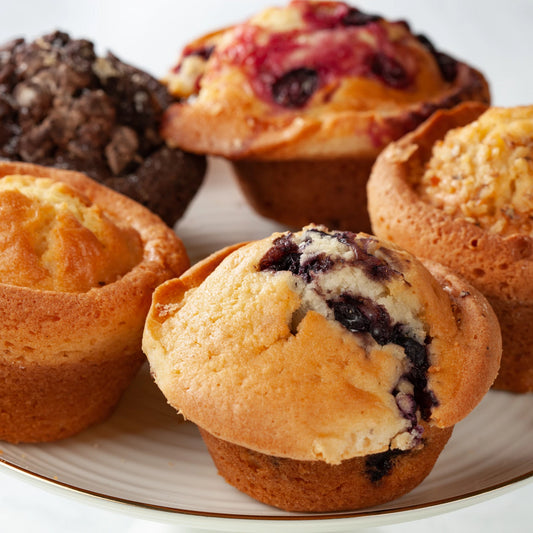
column 145, row 461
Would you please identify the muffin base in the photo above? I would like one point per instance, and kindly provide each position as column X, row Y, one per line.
column 300, row 192
column 316, row 486
column 516, row 370
column 41, row 403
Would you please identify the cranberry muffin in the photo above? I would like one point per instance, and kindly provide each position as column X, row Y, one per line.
column 78, row 265
column 302, row 98
column 62, row 106
column 458, row 190
column 325, row 369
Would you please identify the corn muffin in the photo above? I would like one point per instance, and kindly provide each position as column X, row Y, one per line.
column 325, row 369
column 78, row 265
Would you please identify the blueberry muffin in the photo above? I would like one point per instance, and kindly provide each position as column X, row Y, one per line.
column 78, row 265
column 62, row 106
column 458, row 190
column 302, row 98
column 325, row 369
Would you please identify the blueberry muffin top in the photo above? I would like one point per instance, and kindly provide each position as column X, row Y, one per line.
column 290, row 71
column 320, row 345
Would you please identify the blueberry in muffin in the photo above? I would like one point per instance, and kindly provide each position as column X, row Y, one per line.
column 325, row 369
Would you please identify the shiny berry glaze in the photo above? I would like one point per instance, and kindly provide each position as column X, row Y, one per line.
column 286, row 68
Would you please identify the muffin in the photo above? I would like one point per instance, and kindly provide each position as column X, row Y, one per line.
column 78, row 265
column 62, row 106
column 458, row 190
column 325, row 369
column 302, row 98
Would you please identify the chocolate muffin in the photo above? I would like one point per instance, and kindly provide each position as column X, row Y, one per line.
column 62, row 106
column 325, row 369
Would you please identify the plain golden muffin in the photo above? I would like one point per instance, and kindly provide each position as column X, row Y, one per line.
column 302, row 98
column 325, row 369
column 459, row 190
column 78, row 265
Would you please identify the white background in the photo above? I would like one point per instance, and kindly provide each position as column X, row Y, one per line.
column 496, row 37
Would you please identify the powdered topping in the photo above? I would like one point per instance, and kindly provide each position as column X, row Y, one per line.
column 484, row 171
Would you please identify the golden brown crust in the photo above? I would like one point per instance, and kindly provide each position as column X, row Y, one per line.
column 244, row 359
column 501, row 263
column 71, row 395
column 386, row 81
column 315, row 486
column 98, row 312
column 55, row 239
column 473, row 360
column 246, row 128
column 498, row 266
column 516, row 371
column 300, row 192
column 103, row 326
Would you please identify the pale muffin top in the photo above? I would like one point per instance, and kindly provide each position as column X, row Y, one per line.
column 53, row 238
column 484, row 171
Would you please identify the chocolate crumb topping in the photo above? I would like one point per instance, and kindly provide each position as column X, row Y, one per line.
column 62, row 106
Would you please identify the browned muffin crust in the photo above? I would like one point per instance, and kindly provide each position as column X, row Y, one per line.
column 66, row 357
column 71, row 396
column 315, row 486
column 300, row 192
column 303, row 357
column 499, row 266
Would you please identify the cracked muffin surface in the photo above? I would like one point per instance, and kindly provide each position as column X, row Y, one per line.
column 54, row 238
column 320, row 345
